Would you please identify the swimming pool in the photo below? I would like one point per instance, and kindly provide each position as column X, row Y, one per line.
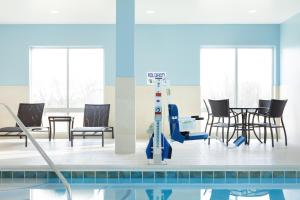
column 151, row 192
column 152, row 185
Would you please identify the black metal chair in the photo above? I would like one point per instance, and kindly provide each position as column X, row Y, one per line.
column 31, row 116
column 95, row 121
column 263, row 108
column 209, row 114
column 220, row 109
column 274, row 112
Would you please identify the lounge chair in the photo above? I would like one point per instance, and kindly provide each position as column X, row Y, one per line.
column 95, row 122
column 31, row 116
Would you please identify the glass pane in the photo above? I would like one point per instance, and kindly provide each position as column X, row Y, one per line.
column 86, row 77
column 217, row 73
column 48, row 77
column 254, row 75
column 78, row 118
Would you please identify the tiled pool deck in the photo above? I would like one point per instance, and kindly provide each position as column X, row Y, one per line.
column 195, row 156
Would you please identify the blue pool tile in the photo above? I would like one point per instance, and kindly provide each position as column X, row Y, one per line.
column 160, row 177
column 298, row 176
column 290, row 177
column 231, row 177
column 148, row 177
column 266, row 177
column 183, row 177
column 89, row 177
column 219, row 177
column 112, row 177
column 124, row 177
column 254, row 177
column 41, row 175
column 77, row 176
column 278, row 176
column 195, row 177
column 101, row 177
column 136, row 177
column 52, row 177
column 30, row 176
column 243, row 177
column 6, row 175
column 207, row 177
column 67, row 175
column 171, row 176
column 18, row 175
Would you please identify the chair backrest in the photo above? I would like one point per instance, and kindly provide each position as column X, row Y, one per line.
column 265, row 105
column 96, row 115
column 174, row 123
column 220, row 108
column 31, row 114
column 277, row 107
column 206, row 106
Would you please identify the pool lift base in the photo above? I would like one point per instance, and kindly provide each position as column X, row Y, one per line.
column 240, row 140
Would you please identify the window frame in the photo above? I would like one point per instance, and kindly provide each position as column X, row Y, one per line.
column 68, row 109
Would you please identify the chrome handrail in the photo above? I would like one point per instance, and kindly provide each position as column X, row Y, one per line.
column 41, row 151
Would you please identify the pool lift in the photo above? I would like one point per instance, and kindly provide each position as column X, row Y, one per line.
column 158, row 148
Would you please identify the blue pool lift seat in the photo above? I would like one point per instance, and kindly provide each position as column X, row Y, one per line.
column 175, row 132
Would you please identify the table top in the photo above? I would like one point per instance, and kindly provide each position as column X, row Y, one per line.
column 60, row 118
column 247, row 108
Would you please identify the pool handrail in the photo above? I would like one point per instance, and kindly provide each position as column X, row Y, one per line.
column 41, row 151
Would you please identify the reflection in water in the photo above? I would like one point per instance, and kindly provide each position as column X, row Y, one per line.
column 96, row 192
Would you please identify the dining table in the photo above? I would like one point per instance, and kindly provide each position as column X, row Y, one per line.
column 246, row 125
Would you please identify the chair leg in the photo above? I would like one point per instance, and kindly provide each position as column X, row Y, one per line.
column 102, row 139
column 210, row 130
column 206, row 125
column 265, row 130
column 227, row 136
column 275, row 129
column 259, row 131
column 284, row 131
column 217, row 133
column 112, row 133
column 72, row 138
column 223, row 130
column 49, row 134
column 26, row 141
column 271, row 129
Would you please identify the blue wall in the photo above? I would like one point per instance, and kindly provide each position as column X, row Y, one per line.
column 170, row 48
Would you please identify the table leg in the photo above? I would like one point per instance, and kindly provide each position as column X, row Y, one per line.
column 53, row 130
column 50, row 130
column 69, row 130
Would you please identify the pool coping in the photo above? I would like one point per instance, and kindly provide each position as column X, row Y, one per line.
column 151, row 167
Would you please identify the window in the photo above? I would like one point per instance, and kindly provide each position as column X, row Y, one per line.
column 243, row 75
column 66, row 79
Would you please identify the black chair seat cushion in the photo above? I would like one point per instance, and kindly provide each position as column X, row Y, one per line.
column 91, row 129
column 11, row 129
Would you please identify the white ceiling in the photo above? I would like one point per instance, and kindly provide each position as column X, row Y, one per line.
column 166, row 11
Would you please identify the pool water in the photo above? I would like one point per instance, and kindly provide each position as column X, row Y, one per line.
column 150, row 192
